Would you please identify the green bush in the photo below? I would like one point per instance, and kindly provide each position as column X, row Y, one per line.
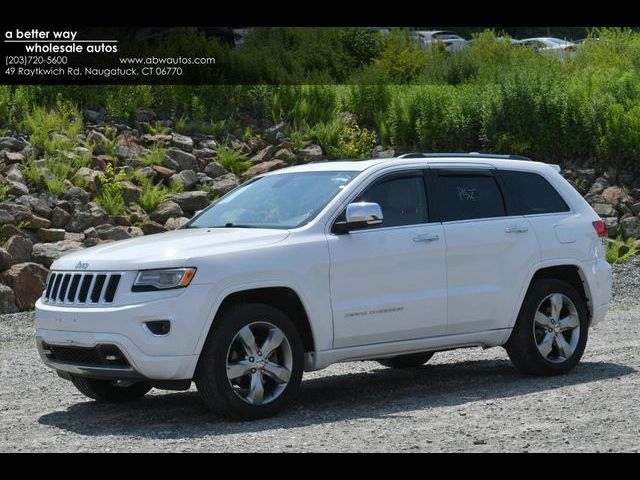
column 111, row 197
column 614, row 247
column 153, row 194
column 340, row 139
column 232, row 160
column 154, row 157
column 53, row 129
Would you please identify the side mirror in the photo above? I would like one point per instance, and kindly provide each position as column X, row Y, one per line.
column 359, row 215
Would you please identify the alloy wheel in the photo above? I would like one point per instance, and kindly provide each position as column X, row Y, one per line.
column 259, row 363
column 556, row 328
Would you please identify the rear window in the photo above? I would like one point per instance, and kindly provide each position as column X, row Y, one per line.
column 532, row 194
column 468, row 196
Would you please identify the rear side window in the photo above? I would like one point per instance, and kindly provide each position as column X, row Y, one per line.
column 468, row 196
column 532, row 194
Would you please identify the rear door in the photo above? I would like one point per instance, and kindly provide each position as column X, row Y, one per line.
column 489, row 251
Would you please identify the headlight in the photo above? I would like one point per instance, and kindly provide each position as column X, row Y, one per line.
column 152, row 280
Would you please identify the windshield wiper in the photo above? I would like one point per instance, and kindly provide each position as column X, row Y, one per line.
column 232, row 225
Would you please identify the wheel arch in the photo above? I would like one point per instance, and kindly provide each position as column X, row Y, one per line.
column 569, row 272
column 284, row 298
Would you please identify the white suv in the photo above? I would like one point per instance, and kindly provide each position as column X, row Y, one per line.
column 388, row 260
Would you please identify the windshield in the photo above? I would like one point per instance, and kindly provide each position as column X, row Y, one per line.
column 286, row 200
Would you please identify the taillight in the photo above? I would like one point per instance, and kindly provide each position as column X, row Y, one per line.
column 601, row 230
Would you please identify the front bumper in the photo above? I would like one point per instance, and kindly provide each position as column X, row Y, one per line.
column 156, row 357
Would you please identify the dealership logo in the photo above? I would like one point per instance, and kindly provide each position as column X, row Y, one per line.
column 82, row 265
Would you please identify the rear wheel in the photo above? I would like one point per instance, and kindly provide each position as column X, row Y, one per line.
column 550, row 334
column 107, row 391
column 406, row 361
column 251, row 364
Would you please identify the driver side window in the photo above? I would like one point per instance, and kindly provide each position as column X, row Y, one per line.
column 403, row 200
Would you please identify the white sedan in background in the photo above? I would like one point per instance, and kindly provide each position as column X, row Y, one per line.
column 430, row 38
column 554, row 46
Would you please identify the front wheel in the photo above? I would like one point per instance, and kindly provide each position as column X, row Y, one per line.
column 107, row 391
column 252, row 362
column 550, row 334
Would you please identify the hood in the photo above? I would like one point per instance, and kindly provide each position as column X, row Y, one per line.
column 171, row 249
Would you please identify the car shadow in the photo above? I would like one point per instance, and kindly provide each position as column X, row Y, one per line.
column 376, row 393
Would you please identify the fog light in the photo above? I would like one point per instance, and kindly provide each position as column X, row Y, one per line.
column 159, row 327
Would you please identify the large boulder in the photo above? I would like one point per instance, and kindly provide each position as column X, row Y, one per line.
column 5, row 259
column 79, row 222
column 182, row 142
column 59, row 218
column 7, row 300
column 214, row 170
column 264, row 155
column 175, row 223
column 150, row 227
column 223, row 184
column 86, row 178
column 6, row 217
column 16, row 189
column 99, row 141
column 19, row 248
column 186, row 178
column 77, row 194
column 605, row 210
column 164, row 211
column 47, row 253
column 630, row 227
column 35, row 222
column 51, row 234
column 27, row 280
column 271, row 133
column 38, row 205
column 263, row 167
column 162, row 172
column 191, row 201
column 616, row 196
column 130, row 191
column 312, row 153
column 127, row 147
column 181, row 160
column 12, row 144
column 112, row 232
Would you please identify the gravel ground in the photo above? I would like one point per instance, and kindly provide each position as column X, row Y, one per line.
column 466, row 400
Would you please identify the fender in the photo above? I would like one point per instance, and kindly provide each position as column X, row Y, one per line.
column 554, row 262
column 223, row 294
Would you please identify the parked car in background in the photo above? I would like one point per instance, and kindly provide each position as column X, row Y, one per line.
column 554, row 46
column 430, row 38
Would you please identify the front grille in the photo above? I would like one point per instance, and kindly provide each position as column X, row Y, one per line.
column 98, row 356
column 88, row 288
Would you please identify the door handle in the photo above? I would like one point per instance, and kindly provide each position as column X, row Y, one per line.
column 516, row 229
column 427, row 237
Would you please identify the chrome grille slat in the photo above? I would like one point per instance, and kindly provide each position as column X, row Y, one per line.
column 66, row 288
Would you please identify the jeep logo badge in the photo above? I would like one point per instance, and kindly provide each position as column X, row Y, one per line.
column 82, row 265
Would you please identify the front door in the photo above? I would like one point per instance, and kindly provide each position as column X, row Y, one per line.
column 388, row 281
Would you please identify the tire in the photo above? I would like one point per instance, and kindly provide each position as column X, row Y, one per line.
column 537, row 343
column 406, row 361
column 106, row 391
column 237, row 339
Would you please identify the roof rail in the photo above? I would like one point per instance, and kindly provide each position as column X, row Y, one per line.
column 464, row 155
